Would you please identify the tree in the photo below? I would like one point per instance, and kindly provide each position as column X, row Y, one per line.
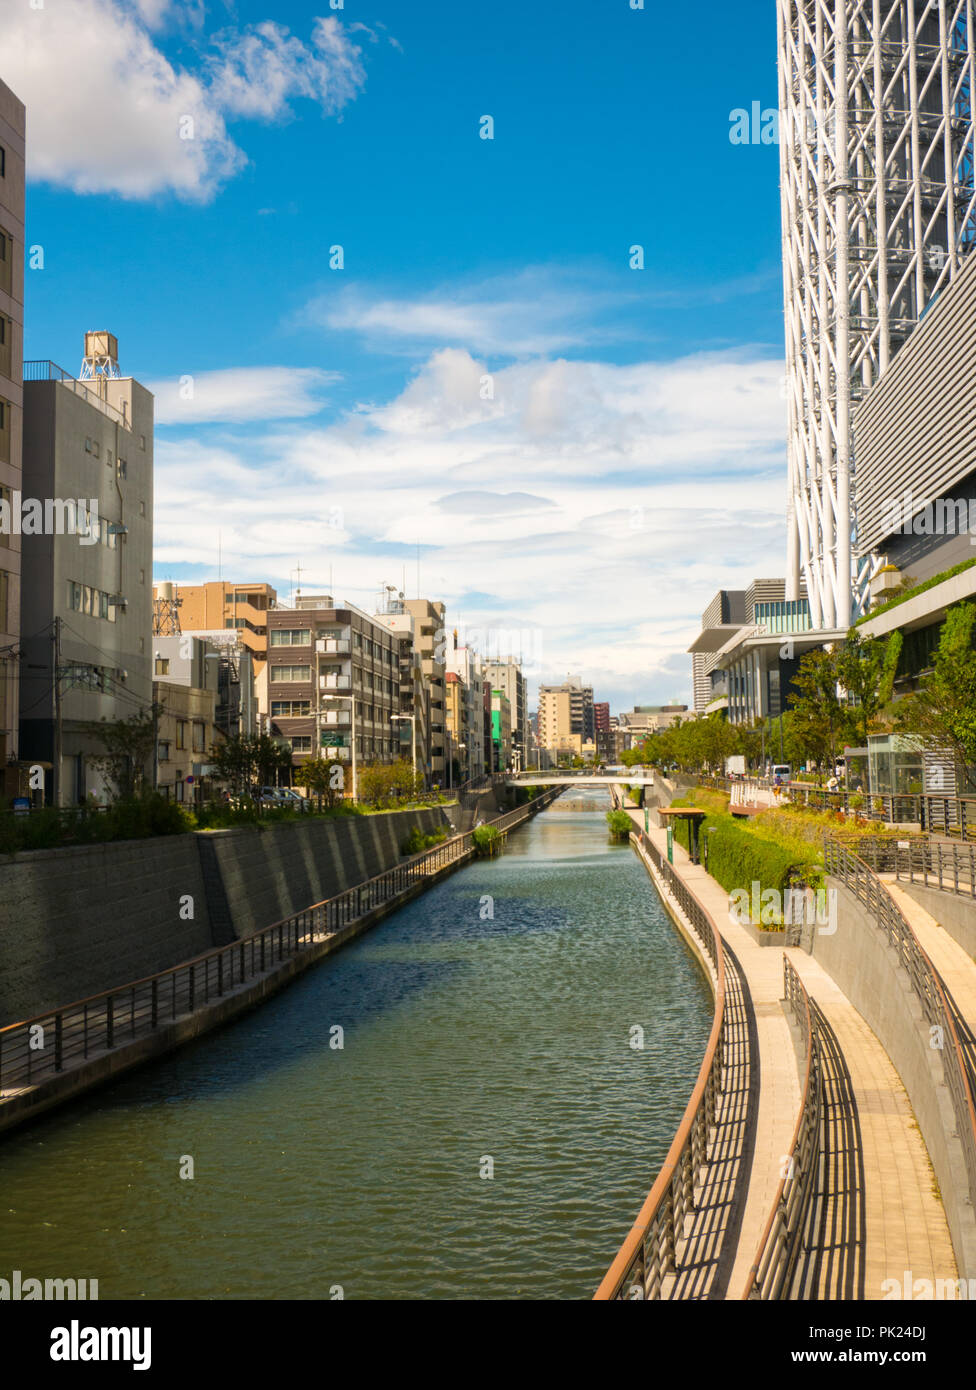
column 128, row 745
column 942, row 713
column 235, row 762
column 818, row 716
column 866, row 670
column 324, row 779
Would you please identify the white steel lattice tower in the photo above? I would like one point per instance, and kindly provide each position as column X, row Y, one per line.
column 879, row 208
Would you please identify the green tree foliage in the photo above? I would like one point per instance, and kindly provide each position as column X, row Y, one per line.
column 942, row 713
column 250, row 758
column 324, row 779
column 865, row 668
column 381, row 785
column 128, row 748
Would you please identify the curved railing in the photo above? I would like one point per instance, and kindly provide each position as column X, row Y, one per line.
column 939, row 1010
column 771, row 1275
column 39, row 1048
column 649, row 1252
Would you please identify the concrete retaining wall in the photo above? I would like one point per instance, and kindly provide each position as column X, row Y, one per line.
column 76, row 921
column 271, row 873
column 867, row 969
column 951, row 910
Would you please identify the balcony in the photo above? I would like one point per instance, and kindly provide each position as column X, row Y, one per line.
column 335, row 682
column 335, row 718
column 333, row 646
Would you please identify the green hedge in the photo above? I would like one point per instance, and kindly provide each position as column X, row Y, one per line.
column 916, row 589
column 738, row 857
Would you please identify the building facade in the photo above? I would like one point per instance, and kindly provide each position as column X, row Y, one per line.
column 242, row 608
column 87, row 594
column 507, row 676
column 186, row 682
column 333, row 683
column 566, row 721
column 12, row 127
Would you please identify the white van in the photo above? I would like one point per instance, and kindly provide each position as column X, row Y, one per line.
column 781, row 773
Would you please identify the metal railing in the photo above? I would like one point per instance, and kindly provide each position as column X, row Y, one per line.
column 934, row 863
column 938, row 1007
column 771, row 1276
column 649, row 1252
column 952, row 815
column 40, row 1047
column 42, row 369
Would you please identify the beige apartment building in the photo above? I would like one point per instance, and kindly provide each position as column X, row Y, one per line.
column 12, row 127
column 566, row 719
column 244, row 607
column 185, row 686
column 419, row 624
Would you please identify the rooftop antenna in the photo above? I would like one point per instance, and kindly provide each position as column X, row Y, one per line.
column 297, row 588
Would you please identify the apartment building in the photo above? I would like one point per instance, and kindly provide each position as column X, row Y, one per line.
column 419, row 626
column 602, row 734
column 333, row 683
column 186, row 683
column 464, row 662
column 204, row 608
column 12, row 127
column 86, row 607
column 501, row 731
column 507, row 676
column 566, row 719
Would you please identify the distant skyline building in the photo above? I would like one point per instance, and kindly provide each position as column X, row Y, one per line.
column 878, row 213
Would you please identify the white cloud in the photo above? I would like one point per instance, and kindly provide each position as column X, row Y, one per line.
column 241, row 393
column 598, row 506
column 533, row 313
column 108, row 112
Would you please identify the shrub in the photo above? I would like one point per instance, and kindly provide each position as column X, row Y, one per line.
column 620, row 824
column 487, row 840
column 416, row 842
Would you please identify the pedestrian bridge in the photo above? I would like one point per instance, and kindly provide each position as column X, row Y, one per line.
column 563, row 779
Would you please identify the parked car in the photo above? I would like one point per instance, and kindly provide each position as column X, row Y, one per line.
column 282, row 796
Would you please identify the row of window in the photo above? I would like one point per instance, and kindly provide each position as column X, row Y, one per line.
column 299, row 709
column 302, row 637
column 83, row 598
column 198, row 736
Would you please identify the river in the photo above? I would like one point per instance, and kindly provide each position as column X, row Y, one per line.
column 486, row 1129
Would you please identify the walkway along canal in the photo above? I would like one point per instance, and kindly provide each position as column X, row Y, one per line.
column 486, row 1129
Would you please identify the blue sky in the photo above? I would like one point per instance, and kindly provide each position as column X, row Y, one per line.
column 582, row 451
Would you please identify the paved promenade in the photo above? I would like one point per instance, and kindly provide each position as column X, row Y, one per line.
column 880, row 1214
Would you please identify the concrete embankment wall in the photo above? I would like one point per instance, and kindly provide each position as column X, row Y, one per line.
column 867, row 969
column 79, row 920
column 954, row 911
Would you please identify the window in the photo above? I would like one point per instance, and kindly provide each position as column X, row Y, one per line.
column 181, row 733
column 88, row 446
column 6, row 520
column 142, row 442
column 290, row 709
column 142, row 509
column 4, row 588
column 3, row 162
column 301, row 743
column 122, row 468
column 162, row 751
column 291, row 636
column 96, row 449
column 142, row 576
column 199, row 730
column 162, row 666
column 291, row 673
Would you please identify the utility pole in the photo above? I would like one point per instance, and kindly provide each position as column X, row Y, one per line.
column 352, row 706
column 58, row 722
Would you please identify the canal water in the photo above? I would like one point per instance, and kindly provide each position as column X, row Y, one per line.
column 486, row 1130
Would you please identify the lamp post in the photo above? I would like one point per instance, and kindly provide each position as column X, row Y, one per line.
column 710, row 831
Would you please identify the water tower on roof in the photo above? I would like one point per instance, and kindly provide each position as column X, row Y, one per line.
column 101, row 357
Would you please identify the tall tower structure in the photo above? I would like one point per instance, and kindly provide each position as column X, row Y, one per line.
column 878, row 211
